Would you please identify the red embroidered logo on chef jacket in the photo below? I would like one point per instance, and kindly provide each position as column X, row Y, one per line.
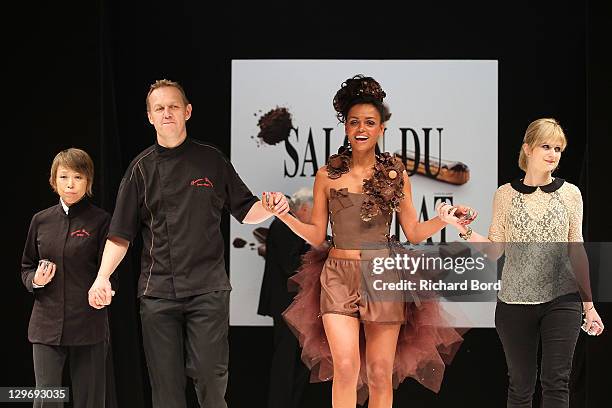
column 80, row 233
column 202, row 182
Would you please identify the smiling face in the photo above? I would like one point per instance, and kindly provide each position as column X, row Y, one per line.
column 168, row 113
column 363, row 127
column 543, row 143
column 544, row 156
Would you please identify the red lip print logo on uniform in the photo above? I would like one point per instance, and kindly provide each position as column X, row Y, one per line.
column 202, row 182
column 80, row 233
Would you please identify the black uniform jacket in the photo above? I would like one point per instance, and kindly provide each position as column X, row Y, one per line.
column 74, row 242
column 175, row 198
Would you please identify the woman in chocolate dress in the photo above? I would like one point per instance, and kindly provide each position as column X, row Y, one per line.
column 537, row 223
column 358, row 191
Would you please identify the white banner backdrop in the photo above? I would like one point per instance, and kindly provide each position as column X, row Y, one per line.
column 450, row 105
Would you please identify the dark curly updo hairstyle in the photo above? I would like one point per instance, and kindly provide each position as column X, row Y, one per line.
column 358, row 90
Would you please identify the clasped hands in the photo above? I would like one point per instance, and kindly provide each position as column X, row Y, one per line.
column 459, row 215
column 100, row 294
column 275, row 203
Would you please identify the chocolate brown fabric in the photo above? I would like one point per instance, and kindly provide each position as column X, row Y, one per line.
column 349, row 231
column 343, row 292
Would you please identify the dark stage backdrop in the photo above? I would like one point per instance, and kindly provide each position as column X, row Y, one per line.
column 78, row 75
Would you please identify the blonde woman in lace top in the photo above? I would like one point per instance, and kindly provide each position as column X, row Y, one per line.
column 540, row 296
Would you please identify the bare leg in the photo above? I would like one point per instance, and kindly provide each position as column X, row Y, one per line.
column 381, row 341
column 343, row 336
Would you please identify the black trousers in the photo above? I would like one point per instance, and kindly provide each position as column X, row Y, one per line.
column 521, row 328
column 186, row 337
column 87, row 372
column 288, row 375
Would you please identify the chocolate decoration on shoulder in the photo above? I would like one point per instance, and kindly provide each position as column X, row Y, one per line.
column 339, row 163
column 385, row 189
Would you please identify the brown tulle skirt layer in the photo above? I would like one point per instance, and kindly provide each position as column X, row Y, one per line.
column 425, row 345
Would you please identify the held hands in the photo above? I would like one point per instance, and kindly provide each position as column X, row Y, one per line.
column 457, row 215
column 100, row 293
column 44, row 272
column 592, row 323
column 275, row 203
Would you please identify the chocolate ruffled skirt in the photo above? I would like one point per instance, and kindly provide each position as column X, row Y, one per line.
column 425, row 345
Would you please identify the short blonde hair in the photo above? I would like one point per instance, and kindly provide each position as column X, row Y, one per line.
column 541, row 131
column 165, row 83
column 76, row 160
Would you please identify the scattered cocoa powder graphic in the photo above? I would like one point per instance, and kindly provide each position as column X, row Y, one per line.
column 274, row 126
column 260, row 234
column 239, row 243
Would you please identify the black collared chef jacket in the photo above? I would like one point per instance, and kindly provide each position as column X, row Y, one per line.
column 175, row 199
column 74, row 242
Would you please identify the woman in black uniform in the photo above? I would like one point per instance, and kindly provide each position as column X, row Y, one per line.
column 59, row 264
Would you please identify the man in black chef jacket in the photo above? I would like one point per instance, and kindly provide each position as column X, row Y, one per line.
column 284, row 250
column 173, row 193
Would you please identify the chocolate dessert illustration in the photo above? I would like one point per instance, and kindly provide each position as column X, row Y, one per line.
column 453, row 172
